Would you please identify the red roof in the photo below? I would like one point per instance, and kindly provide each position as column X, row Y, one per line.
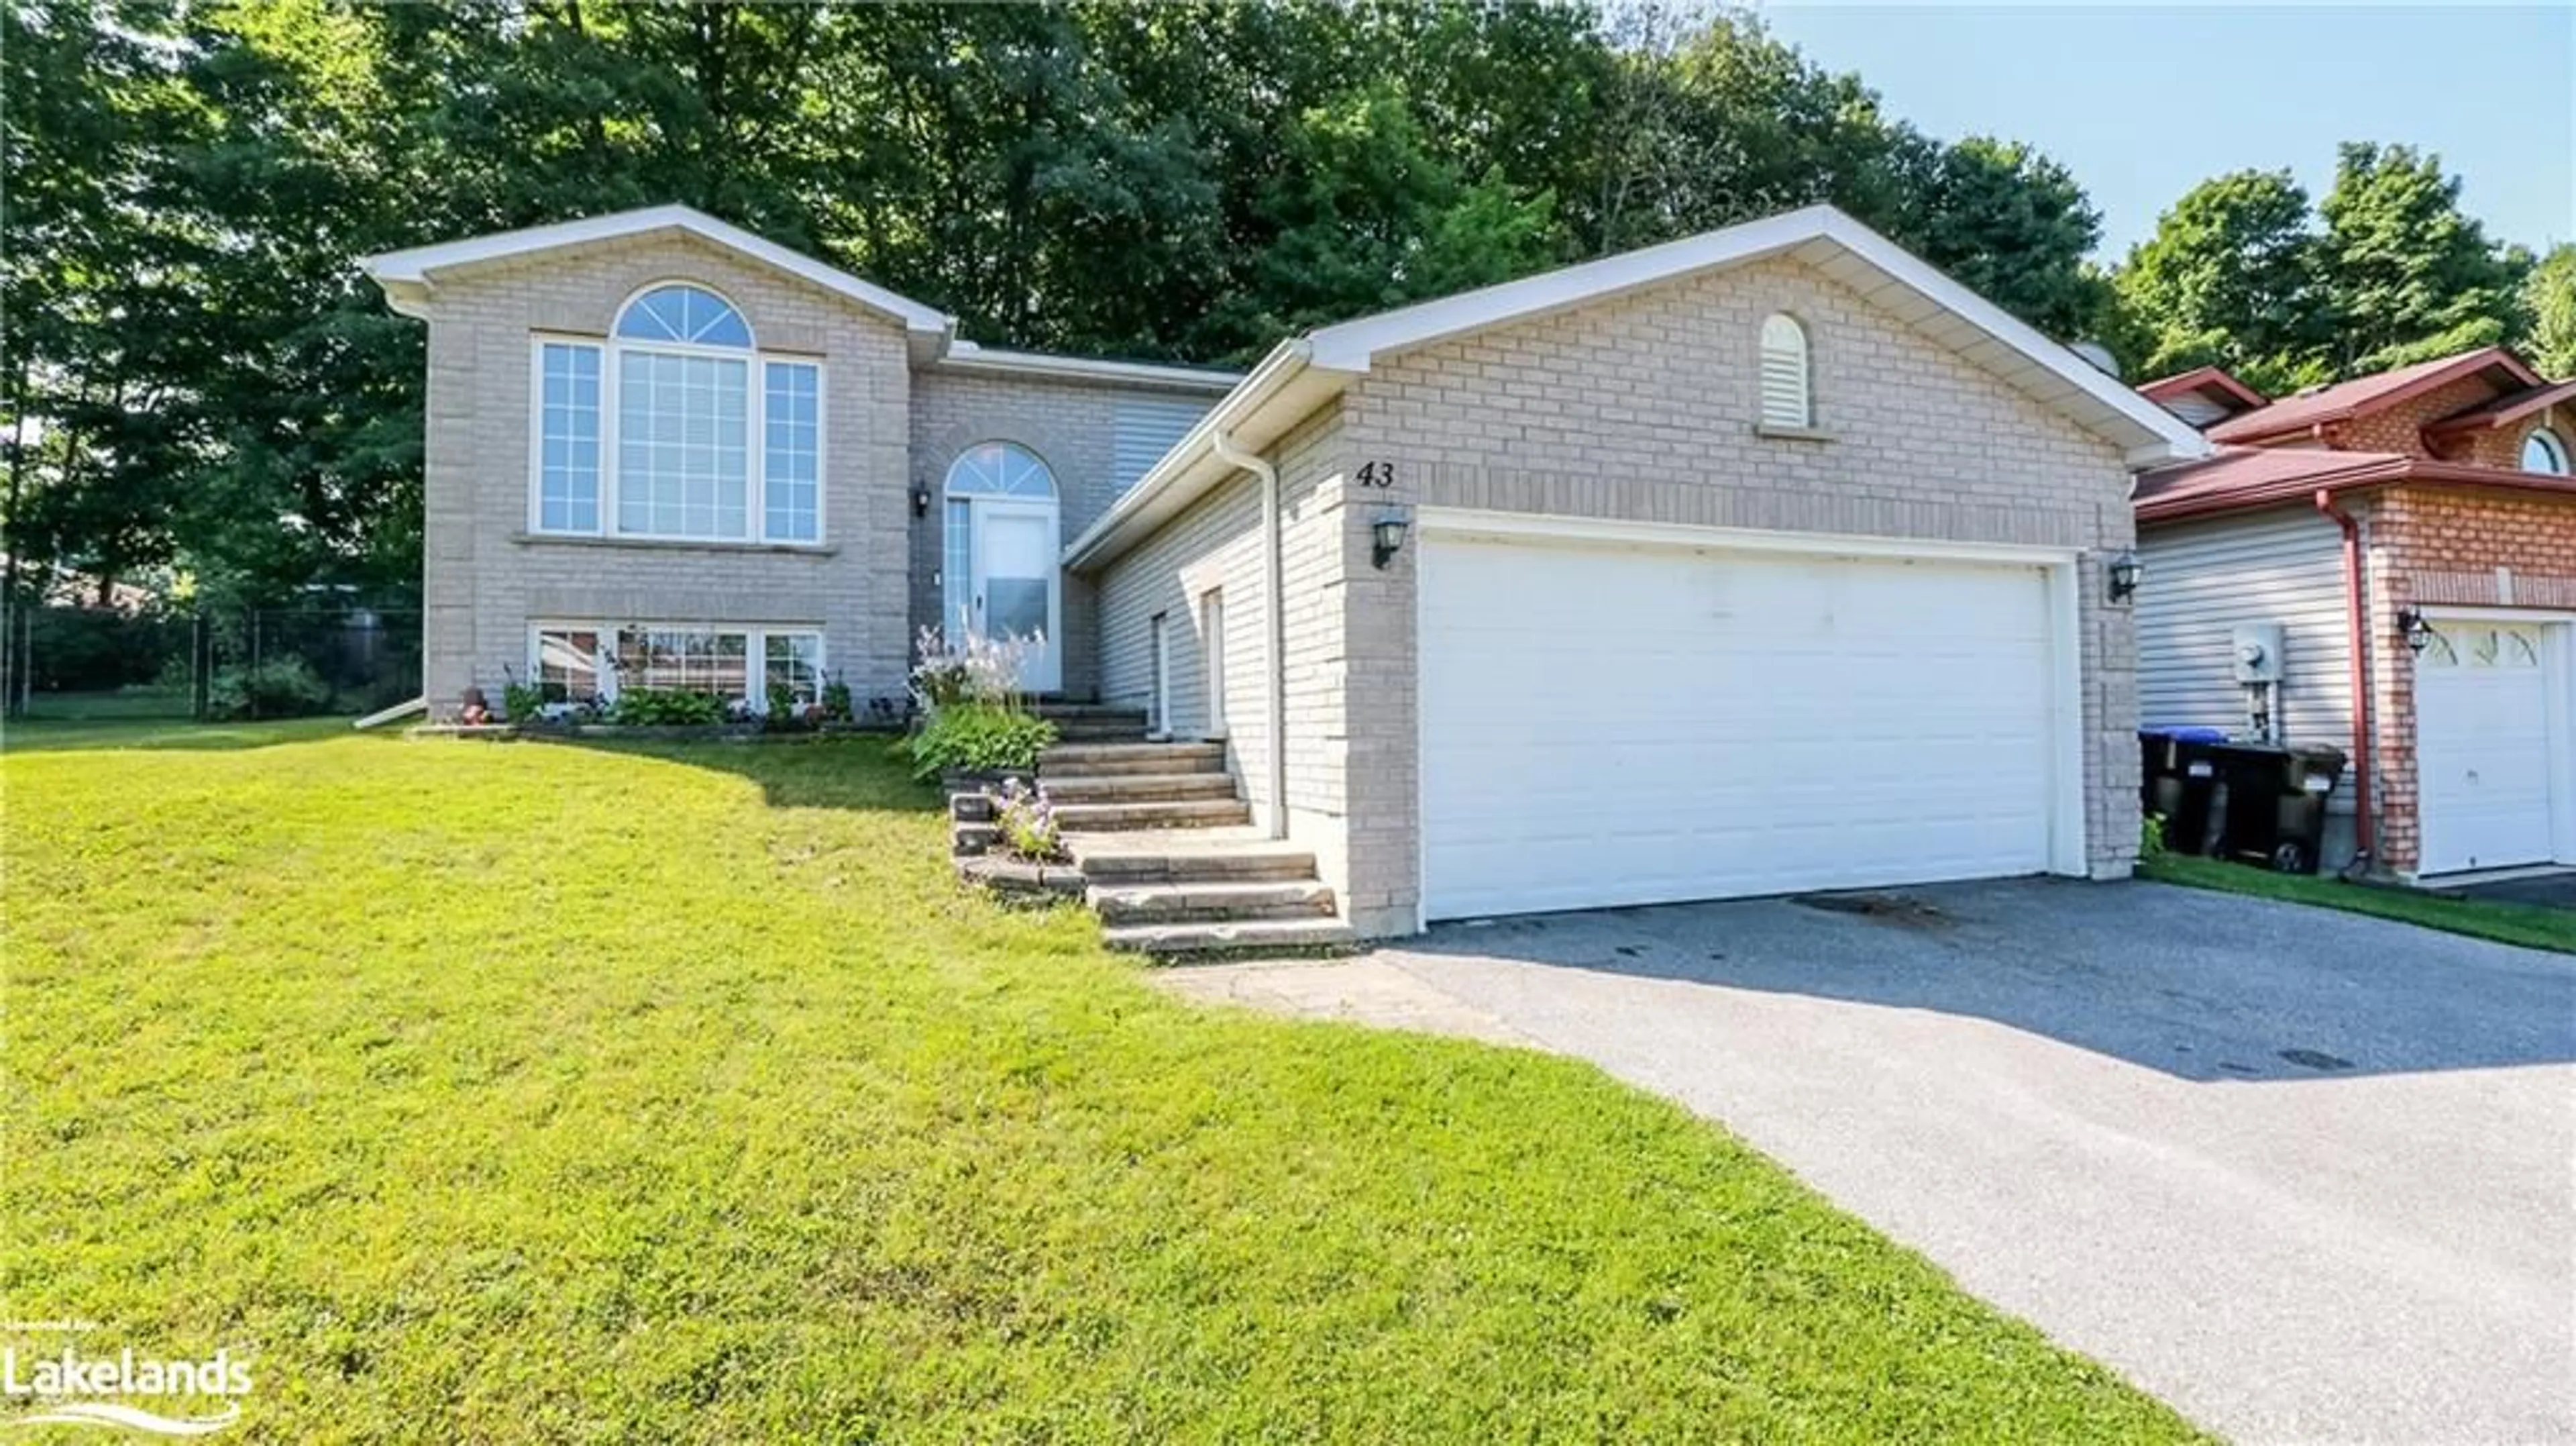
column 2509, row 408
column 2236, row 478
column 2214, row 382
column 2346, row 400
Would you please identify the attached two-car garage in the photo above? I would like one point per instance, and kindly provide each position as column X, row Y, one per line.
column 1613, row 717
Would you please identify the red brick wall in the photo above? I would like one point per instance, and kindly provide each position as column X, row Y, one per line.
column 2428, row 546
column 2401, row 428
column 2502, row 446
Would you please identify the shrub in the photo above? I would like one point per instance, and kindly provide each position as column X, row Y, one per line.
column 985, row 670
column 978, row 738
column 280, row 688
column 662, row 707
column 1027, row 822
column 2151, row 838
column 523, row 702
column 836, row 701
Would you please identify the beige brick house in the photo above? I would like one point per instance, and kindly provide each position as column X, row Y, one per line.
column 665, row 452
column 2410, row 540
column 1766, row 560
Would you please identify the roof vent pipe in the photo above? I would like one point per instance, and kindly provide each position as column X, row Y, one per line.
column 1275, row 615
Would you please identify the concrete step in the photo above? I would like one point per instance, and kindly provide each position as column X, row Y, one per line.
column 1196, row 903
column 1071, row 712
column 1207, row 856
column 1094, row 759
column 1099, row 733
column 1147, row 813
column 1133, row 787
column 1249, row 936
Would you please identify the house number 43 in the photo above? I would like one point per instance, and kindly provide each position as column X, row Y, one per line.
column 1377, row 474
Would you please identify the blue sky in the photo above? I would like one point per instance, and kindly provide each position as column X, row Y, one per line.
column 2144, row 103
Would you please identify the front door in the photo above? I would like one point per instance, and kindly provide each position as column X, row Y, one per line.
column 1015, row 592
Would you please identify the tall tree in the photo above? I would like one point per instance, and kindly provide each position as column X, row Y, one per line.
column 2549, row 299
column 2407, row 274
column 2230, row 279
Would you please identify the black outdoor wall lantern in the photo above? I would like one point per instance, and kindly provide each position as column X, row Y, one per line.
column 2123, row 575
column 2418, row 632
column 921, row 502
column 1387, row 533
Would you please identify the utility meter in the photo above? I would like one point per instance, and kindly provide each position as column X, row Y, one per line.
column 2256, row 651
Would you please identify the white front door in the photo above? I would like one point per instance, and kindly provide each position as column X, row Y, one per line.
column 2483, row 724
column 1606, row 726
column 1016, row 593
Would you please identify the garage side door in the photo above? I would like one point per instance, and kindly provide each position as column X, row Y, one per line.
column 2482, row 746
column 1608, row 726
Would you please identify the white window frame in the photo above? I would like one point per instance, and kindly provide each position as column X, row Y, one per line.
column 755, row 638
column 2548, row 440
column 1212, row 658
column 610, row 348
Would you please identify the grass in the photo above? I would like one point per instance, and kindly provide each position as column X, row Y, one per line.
column 546, row 1093
column 2528, row 925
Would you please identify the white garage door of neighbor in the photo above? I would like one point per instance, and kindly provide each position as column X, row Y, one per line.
column 1605, row 726
column 2482, row 759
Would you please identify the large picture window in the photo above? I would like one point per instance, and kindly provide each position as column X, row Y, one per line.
column 677, row 428
column 584, row 661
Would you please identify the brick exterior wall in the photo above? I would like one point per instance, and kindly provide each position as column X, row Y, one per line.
column 2401, row 428
column 2434, row 546
column 1640, row 407
column 1071, row 425
column 2502, row 446
column 485, row 578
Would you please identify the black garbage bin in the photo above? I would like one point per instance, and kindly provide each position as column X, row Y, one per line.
column 2272, row 802
column 2176, row 779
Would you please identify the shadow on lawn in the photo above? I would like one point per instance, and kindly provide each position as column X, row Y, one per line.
column 2201, row 986
column 52, row 735
column 846, row 772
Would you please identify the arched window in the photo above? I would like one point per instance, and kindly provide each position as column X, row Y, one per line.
column 1785, row 394
column 999, row 469
column 2543, row 452
column 992, row 472
column 676, row 428
column 690, row 314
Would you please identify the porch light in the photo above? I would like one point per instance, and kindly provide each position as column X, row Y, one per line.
column 2418, row 632
column 2124, row 571
column 1388, row 535
column 921, row 502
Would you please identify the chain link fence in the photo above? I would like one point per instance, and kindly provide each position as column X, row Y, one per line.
column 77, row 663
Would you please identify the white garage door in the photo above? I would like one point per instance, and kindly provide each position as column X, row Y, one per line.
column 1608, row 725
column 2482, row 757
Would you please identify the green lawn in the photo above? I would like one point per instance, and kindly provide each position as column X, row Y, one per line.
column 2529, row 925
column 539, row 1093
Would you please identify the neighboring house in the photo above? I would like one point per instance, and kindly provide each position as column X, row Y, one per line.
column 1767, row 560
column 665, row 452
column 2412, row 538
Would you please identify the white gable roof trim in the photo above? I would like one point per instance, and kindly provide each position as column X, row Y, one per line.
column 410, row 278
column 1304, row 373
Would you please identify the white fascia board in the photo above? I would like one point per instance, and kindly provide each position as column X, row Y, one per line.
column 1352, row 346
column 966, row 356
column 410, row 275
column 1188, row 470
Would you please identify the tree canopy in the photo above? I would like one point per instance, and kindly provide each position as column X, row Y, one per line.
column 202, row 391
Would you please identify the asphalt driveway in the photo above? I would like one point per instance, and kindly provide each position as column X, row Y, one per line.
column 2309, row 1176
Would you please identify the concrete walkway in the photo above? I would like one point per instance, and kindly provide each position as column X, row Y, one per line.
column 2309, row 1176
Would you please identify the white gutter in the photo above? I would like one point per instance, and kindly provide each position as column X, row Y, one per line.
column 1274, row 610
column 1285, row 361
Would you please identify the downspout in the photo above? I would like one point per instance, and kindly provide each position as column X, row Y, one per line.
column 1274, row 610
column 2357, row 639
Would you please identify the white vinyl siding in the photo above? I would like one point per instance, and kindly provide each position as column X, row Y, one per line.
column 1141, row 432
column 2194, row 408
column 1786, row 401
column 2202, row 579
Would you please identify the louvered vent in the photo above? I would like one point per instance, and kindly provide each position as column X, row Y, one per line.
column 1784, row 374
